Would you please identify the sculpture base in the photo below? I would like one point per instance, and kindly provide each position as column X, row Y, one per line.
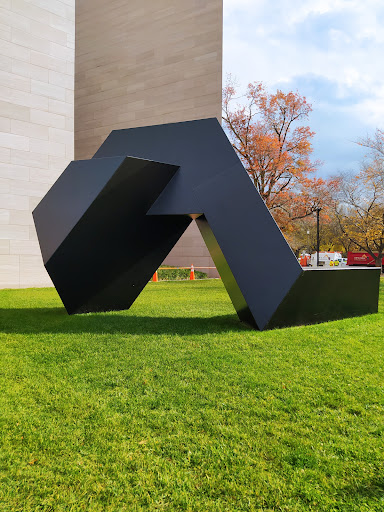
column 323, row 294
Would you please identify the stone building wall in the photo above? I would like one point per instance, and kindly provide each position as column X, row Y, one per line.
column 36, row 124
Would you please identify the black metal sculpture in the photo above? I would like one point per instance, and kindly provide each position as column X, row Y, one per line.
column 109, row 222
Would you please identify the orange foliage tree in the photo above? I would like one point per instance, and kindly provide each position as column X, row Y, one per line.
column 266, row 131
column 360, row 204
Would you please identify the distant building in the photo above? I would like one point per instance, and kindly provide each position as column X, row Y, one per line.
column 135, row 63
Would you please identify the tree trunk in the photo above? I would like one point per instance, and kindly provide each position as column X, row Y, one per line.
column 378, row 260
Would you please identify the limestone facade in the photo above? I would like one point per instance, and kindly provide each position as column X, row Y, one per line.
column 36, row 124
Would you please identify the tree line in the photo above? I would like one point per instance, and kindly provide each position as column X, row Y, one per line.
column 269, row 133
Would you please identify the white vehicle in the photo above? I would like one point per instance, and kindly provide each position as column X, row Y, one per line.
column 326, row 259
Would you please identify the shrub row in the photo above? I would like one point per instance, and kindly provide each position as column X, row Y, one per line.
column 178, row 274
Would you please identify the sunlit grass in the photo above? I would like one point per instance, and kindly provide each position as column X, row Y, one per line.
column 175, row 405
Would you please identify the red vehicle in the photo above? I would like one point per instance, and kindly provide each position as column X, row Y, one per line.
column 362, row 258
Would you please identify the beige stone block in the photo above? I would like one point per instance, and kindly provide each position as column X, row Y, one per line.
column 5, row 4
column 28, row 188
column 44, row 175
column 32, row 272
column 61, row 52
column 47, row 147
column 4, row 216
column 27, row 158
column 58, row 163
column 5, row 155
column 14, row 51
column 28, row 129
column 60, row 23
column 5, row 63
column 4, row 246
column 9, row 271
column 29, row 10
column 70, row 66
column 30, row 247
column 86, row 134
column 29, row 70
column 173, row 107
column 49, row 90
column 195, row 251
column 48, row 61
column 20, row 218
column 192, row 229
column 5, row 92
column 112, row 102
column 69, row 3
column 69, row 123
column 10, row 18
column 32, row 232
column 12, row 141
column 5, row 186
column 11, row 171
column 5, row 32
column 70, row 150
column 5, row 124
column 71, row 42
column 27, row 99
column 47, row 32
column 14, row 232
column 30, row 41
column 61, row 107
column 13, row 111
column 118, row 94
column 57, row 8
column 62, row 79
column 147, row 113
column 14, row 81
column 70, row 12
column 47, row 118
column 61, row 136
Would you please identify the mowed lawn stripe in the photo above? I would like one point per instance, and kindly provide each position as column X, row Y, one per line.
column 176, row 405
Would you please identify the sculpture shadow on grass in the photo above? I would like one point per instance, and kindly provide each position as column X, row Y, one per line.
column 56, row 321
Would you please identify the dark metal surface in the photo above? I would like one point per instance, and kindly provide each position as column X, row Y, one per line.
column 128, row 212
column 109, row 245
column 329, row 294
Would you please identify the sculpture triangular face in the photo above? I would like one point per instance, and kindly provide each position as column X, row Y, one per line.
column 134, row 199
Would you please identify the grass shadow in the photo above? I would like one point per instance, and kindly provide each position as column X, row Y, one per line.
column 56, row 320
column 373, row 488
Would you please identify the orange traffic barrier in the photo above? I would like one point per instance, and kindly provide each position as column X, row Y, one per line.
column 192, row 274
column 155, row 277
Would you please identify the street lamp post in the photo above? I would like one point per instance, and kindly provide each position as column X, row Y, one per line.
column 318, row 235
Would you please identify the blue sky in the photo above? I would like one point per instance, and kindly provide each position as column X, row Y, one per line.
column 330, row 51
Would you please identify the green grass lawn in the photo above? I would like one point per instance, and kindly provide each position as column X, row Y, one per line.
column 175, row 405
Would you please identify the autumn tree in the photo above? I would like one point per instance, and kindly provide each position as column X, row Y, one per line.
column 374, row 143
column 267, row 132
column 360, row 208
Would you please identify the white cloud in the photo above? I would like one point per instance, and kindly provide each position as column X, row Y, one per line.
column 338, row 41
